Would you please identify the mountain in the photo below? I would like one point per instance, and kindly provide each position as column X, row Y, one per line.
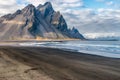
column 35, row 23
column 107, row 38
column 75, row 33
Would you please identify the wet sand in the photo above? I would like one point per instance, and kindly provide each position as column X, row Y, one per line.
column 33, row 63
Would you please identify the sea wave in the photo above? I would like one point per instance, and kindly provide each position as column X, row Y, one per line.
column 106, row 48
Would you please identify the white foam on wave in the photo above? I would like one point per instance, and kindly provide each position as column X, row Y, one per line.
column 104, row 49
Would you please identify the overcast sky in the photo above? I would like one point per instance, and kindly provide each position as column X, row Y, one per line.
column 93, row 18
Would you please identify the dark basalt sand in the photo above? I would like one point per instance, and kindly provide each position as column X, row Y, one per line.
column 30, row 63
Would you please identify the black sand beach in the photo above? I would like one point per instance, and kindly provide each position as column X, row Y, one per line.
column 33, row 63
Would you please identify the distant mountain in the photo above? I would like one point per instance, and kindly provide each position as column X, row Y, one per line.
column 102, row 36
column 35, row 23
column 109, row 38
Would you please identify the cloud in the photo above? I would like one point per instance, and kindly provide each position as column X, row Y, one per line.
column 109, row 3
column 105, row 21
column 94, row 23
column 5, row 2
column 70, row 1
column 9, row 6
column 59, row 3
column 37, row 2
column 100, row 0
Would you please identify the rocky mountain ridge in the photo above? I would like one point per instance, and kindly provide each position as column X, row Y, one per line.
column 36, row 22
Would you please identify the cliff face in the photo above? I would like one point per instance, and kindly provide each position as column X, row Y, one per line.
column 57, row 20
column 52, row 17
column 17, row 25
column 32, row 22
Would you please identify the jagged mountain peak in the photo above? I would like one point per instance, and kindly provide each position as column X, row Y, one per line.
column 48, row 4
column 58, row 13
column 46, row 9
column 29, row 7
column 35, row 22
column 74, row 30
column 11, row 16
column 29, row 10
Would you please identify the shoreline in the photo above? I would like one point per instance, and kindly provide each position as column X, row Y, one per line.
column 56, row 64
column 29, row 44
column 43, row 40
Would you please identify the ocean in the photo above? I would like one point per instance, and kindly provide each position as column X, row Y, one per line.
column 101, row 48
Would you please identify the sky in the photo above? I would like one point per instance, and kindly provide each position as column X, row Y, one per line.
column 93, row 18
